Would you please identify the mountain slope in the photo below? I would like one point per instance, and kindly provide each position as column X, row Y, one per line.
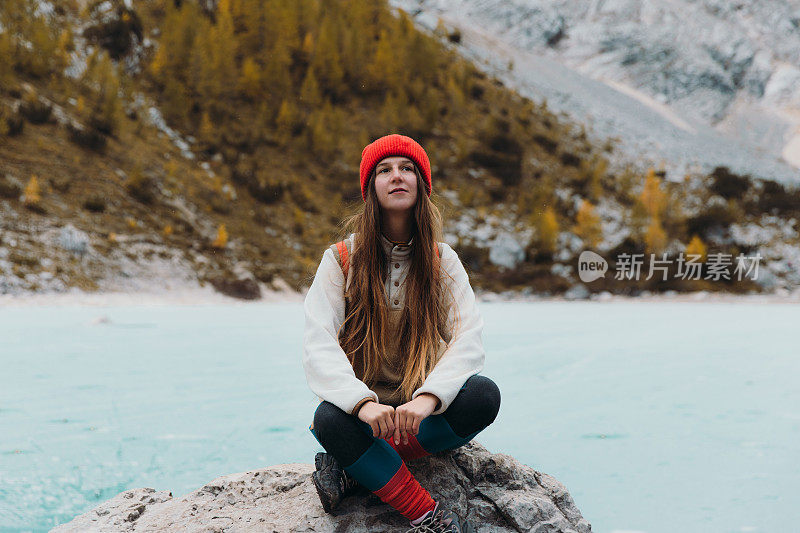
column 168, row 145
column 693, row 84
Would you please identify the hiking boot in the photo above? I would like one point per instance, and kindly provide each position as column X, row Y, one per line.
column 332, row 482
column 442, row 521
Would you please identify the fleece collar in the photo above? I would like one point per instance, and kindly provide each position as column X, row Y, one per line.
column 396, row 250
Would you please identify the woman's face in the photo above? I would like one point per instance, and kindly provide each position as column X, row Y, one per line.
column 396, row 184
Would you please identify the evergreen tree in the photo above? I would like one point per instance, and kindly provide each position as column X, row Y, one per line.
column 326, row 61
column 653, row 198
column 213, row 61
column 394, row 104
column 440, row 30
column 30, row 43
column 587, row 225
column 41, row 46
column 309, row 92
column 64, row 47
column 431, row 106
column 108, row 115
column 32, row 194
column 309, row 14
column 592, row 172
column 223, row 56
column 284, row 18
column 696, row 246
column 251, row 25
column 208, row 134
column 325, row 127
column 412, row 120
column 383, row 71
column 356, row 54
column 647, row 212
column 656, row 238
column 6, row 60
column 201, row 73
column 177, row 40
column 221, row 239
column 547, row 230
column 277, row 74
column 454, row 91
column 307, row 48
column 286, row 121
column 251, row 80
column 176, row 102
column 102, row 82
column 264, row 123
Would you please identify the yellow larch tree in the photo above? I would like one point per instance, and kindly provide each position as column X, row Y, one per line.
column 222, row 237
column 655, row 239
column 251, row 79
column 32, row 193
column 697, row 247
column 547, row 230
column 587, row 225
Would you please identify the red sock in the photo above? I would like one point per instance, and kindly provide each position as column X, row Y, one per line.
column 410, row 451
column 405, row 494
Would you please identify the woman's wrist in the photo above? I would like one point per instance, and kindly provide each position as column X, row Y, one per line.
column 361, row 404
column 436, row 401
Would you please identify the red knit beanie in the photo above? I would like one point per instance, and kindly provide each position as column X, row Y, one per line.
column 393, row 145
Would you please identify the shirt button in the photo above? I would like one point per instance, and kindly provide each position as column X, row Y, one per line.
column 396, row 302
column 396, row 283
column 397, row 265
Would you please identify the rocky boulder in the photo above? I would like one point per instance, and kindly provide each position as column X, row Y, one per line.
column 497, row 492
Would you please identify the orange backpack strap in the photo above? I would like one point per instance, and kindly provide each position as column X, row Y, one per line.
column 342, row 252
column 438, row 251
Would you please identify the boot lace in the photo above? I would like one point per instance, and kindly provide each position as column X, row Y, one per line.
column 347, row 483
column 437, row 521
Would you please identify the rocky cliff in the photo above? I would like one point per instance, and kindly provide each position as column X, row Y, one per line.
column 497, row 492
column 693, row 82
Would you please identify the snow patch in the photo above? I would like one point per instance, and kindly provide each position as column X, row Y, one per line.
column 157, row 120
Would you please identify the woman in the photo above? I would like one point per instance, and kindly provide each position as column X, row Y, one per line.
column 392, row 343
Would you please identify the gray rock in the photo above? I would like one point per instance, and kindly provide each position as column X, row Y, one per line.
column 577, row 292
column 506, row 251
column 559, row 269
column 495, row 490
column 568, row 246
column 73, row 240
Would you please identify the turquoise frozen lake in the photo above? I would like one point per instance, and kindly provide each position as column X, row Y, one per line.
column 658, row 417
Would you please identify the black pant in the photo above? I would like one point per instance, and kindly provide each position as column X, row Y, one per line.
column 475, row 407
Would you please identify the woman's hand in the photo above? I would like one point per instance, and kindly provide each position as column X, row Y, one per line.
column 408, row 416
column 379, row 416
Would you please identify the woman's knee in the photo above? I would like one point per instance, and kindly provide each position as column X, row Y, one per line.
column 486, row 398
column 340, row 433
column 475, row 407
column 328, row 421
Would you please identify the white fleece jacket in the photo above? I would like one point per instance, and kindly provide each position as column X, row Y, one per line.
column 328, row 371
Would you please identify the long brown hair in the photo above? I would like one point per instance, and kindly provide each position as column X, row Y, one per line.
column 422, row 323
